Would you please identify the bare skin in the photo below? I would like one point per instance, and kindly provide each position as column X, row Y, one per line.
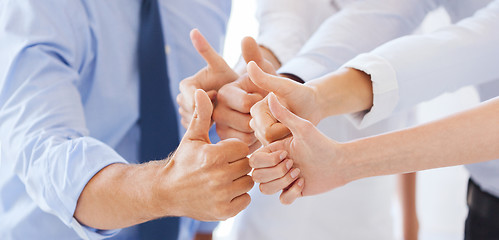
column 208, row 184
column 468, row 137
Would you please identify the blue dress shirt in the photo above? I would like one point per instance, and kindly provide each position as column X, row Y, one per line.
column 69, row 101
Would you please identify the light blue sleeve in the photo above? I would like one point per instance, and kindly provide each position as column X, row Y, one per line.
column 207, row 227
column 189, row 227
column 43, row 133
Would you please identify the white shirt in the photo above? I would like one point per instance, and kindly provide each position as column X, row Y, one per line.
column 339, row 214
column 412, row 69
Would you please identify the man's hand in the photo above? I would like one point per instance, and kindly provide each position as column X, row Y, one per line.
column 234, row 100
column 299, row 98
column 201, row 180
column 208, row 182
column 317, row 160
column 211, row 78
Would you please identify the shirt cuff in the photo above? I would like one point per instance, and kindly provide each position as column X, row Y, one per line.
column 91, row 233
column 87, row 158
column 207, row 227
column 385, row 89
column 305, row 68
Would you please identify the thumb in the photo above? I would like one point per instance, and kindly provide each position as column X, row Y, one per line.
column 206, row 51
column 201, row 119
column 279, row 85
column 295, row 124
column 251, row 51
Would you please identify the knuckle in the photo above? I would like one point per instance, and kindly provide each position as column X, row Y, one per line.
column 283, row 169
column 248, row 138
column 284, row 200
column 275, row 159
column 223, row 92
column 257, row 176
column 247, row 103
column 264, row 188
column 306, row 126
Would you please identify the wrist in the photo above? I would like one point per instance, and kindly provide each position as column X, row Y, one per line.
column 345, row 91
column 161, row 196
column 351, row 161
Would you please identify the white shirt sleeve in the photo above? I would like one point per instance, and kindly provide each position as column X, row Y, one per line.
column 359, row 27
column 412, row 69
column 285, row 25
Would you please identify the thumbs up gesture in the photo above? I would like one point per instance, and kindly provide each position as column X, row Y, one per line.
column 234, row 100
column 316, row 159
column 301, row 99
column 207, row 181
column 210, row 78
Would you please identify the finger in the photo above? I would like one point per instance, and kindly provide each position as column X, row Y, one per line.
column 185, row 117
column 276, row 131
column 255, row 146
column 264, row 175
column 298, row 126
column 239, row 203
column 251, row 51
column 265, row 125
column 288, row 196
column 212, row 94
column 277, row 185
column 279, row 85
column 186, row 97
column 237, row 98
column 232, row 149
column 242, row 185
column 239, row 168
column 225, row 116
column 201, row 119
column 265, row 159
column 225, row 132
column 185, row 123
column 209, row 54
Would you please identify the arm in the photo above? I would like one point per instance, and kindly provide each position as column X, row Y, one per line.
column 77, row 178
column 412, row 69
column 407, row 196
column 469, row 137
column 359, row 27
column 44, row 140
column 372, row 85
column 121, row 195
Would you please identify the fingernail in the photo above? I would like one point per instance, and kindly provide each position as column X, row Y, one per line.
column 283, row 155
column 300, row 182
column 289, row 164
column 295, row 173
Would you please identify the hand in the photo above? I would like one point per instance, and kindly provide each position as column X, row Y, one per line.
column 211, row 78
column 208, row 182
column 234, row 100
column 318, row 158
column 299, row 98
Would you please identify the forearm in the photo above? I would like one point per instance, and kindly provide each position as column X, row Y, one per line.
column 468, row 137
column 343, row 35
column 344, row 91
column 118, row 196
column 407, row 196
column 417, row 68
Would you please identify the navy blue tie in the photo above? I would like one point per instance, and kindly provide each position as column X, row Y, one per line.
column 158, row 122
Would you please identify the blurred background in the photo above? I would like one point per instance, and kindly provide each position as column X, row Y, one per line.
column 441, row 193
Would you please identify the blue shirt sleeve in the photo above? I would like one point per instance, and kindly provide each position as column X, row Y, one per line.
column 43, row 133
